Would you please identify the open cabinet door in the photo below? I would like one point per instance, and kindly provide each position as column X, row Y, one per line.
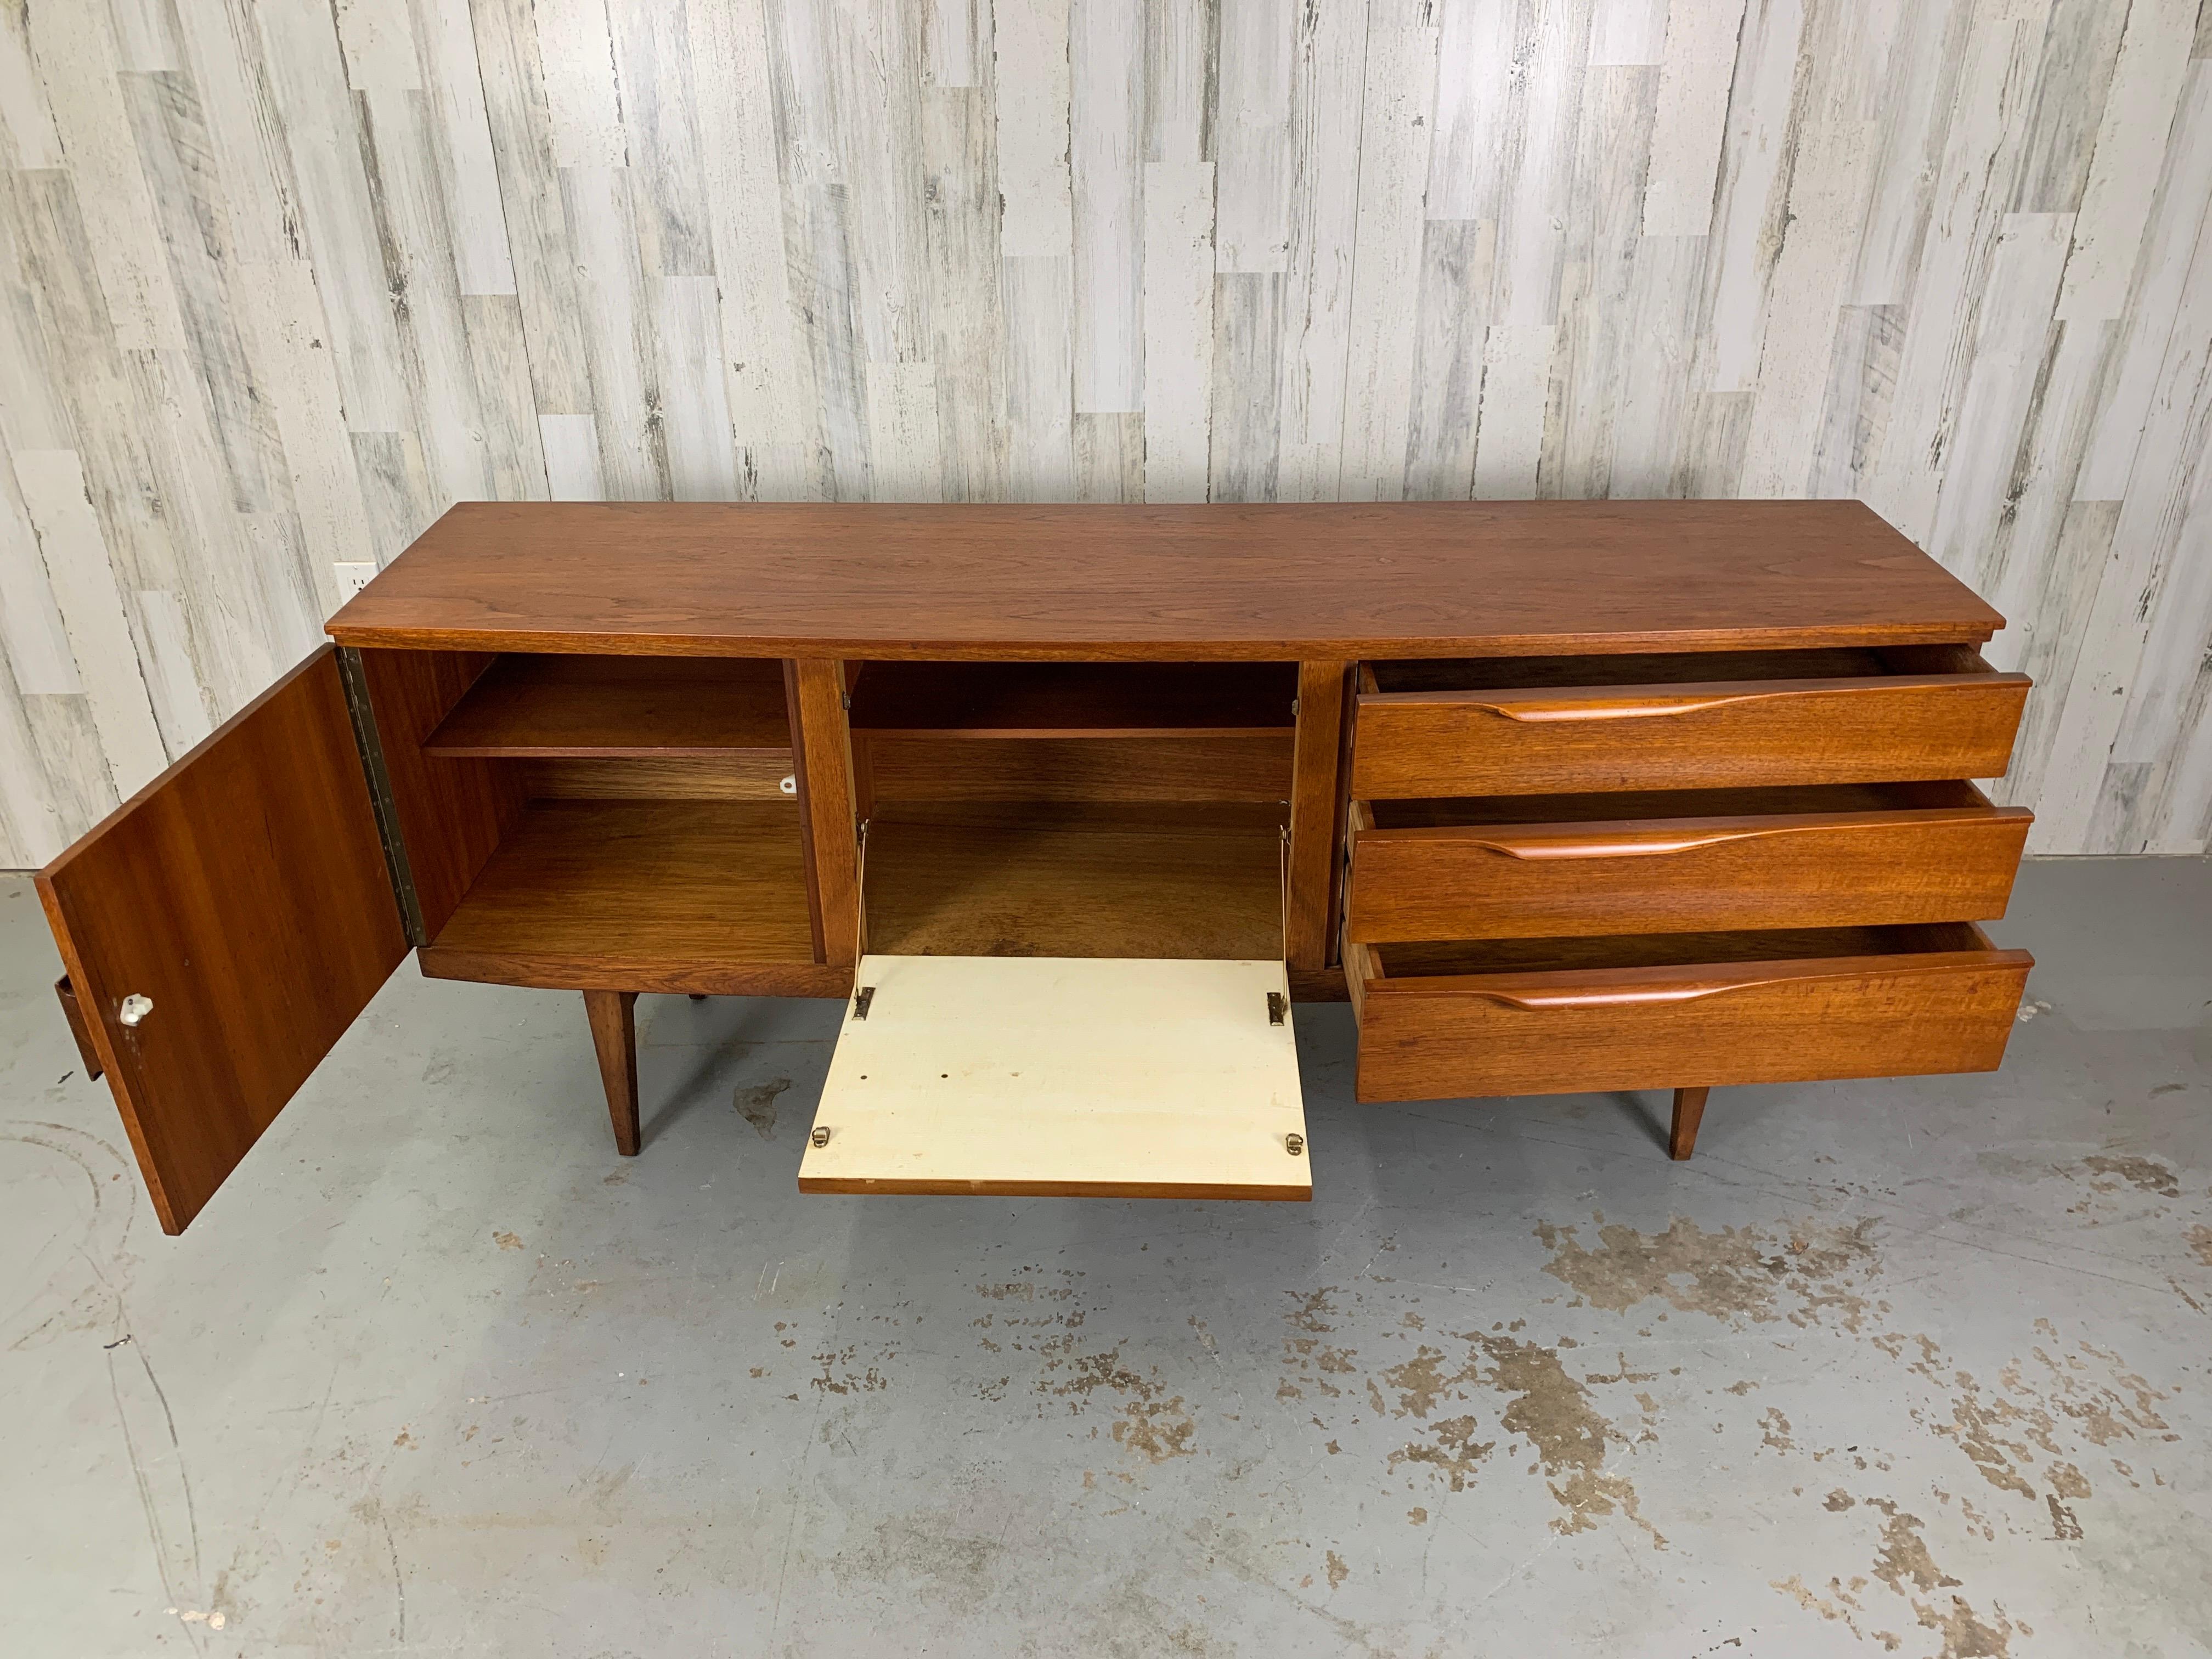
column 224, row 927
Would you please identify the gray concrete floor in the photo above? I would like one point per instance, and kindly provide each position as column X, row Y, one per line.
column 1914, row 1367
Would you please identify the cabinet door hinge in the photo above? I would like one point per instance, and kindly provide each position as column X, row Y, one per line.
column 363, row 714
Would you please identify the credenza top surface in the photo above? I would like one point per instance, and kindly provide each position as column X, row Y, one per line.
column 1328, row 580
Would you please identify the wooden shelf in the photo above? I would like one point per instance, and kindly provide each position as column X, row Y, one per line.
column 1074, row 699
column 601, row 707
column 1097, row 881
column 640, row 895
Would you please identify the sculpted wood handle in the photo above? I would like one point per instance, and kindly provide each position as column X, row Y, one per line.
column 1625, row 996
column 1646, row 704
column 1646, row 708
column 1652, row 844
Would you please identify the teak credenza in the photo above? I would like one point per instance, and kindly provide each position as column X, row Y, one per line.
column 1069, row 803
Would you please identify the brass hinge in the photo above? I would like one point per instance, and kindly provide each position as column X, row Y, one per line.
column 1278, row 1005
column 861, row 999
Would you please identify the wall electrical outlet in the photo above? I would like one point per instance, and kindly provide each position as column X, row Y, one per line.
column 352, row 578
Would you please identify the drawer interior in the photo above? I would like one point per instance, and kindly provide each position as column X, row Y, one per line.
column 1681, row 668
column 1538, row 956
column 1662, row 804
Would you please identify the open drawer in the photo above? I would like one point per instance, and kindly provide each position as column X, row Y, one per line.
column 1088, row 1077
column 1718, row 720
column 1532, row 866
column 1509, row 1017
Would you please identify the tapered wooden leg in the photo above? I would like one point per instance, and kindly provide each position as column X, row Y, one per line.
column 1689, row 1111
column 613, row 1015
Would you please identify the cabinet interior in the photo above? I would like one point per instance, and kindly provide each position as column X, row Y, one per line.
column 590, row 810
column 1073, row 809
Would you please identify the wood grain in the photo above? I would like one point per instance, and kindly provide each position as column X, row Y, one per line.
column 1671, row 735
column 903, row 767
column 80, row 1028
column 823, row 748
column 244, row 894
column 617, row 706
column 637, row 896
column 450, row 813
column 1074, row 699
column 1254, row 582
column 613, row 1016
column 1559, row 1017
column 1035, row 881
column 1481, row 878
column 1316, row 793
column 744, row 774
column 1682, row 1130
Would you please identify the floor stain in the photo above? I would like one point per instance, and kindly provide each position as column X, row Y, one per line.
column 2011, row 1431
column 1964, row 1636
column 1151, row 1423
column 1425, row 1379
column 1904, row 1556
column 2200, row 1240
column 755, row 1103
column 1552, row 1411
column 2144, row 1173
column 1737, row 1273
column 1840, row 1606
column 839, row 1376
column 1338, row 1572
column 1451, row 1451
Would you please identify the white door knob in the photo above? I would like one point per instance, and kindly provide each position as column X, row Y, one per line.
column 134, row 1008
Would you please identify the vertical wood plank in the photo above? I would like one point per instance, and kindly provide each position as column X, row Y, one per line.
column 1393, row 147
column 1252, row 220
column 1040, row 374
column 1106, row 62
column 1032, row 91
column 825, row 737
column 54, row 498
column 1178, row 313
column 1308, row 926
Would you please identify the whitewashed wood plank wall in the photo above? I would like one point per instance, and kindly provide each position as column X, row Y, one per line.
column 281, row 278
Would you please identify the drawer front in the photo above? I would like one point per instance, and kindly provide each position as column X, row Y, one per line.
column 1728, row 734
column 1531, row 881
column 1653, row 1027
